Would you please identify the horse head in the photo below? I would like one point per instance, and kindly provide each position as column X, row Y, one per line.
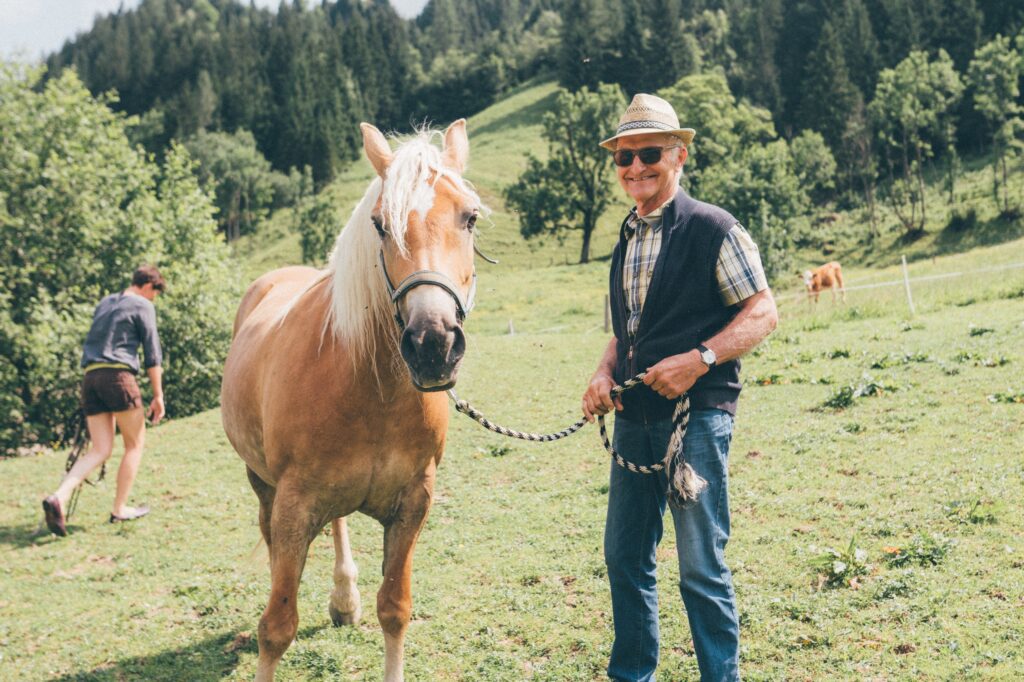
column 425, row 219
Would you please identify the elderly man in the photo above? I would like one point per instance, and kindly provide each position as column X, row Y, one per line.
column 689, row 297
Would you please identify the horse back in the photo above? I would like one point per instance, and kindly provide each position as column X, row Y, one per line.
column 287, row 281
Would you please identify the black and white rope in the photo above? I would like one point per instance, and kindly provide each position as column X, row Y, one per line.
column 79, row 440
column 684, row 483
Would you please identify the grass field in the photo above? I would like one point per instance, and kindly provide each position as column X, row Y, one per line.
column 889, row 443
column 510, row 581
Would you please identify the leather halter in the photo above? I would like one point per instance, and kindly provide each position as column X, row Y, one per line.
column 427, row 277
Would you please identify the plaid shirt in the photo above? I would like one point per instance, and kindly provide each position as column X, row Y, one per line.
column 739, row 271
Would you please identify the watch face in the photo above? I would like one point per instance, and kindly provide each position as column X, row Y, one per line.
column 708, row 356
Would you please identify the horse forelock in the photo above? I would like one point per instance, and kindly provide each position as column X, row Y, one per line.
column 360, row 305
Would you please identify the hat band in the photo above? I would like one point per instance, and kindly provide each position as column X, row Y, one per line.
column 632, row 125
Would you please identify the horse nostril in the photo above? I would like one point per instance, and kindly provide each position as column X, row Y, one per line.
column 408, row 346
column 458, row 348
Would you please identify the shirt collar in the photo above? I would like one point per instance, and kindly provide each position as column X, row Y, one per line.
column 652, row 219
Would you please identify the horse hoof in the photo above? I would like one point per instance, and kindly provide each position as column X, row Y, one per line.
column 339, row 618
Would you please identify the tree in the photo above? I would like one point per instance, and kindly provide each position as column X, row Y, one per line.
column 571, row 190
column 579, row 62
column 233, row 169
column 739, row 162
column 627, row 67
column 912, row 106
column 317, row 223
column 669, row 56
column 828, row 95
column 813, row 163
column 994, row 76
column 860, row 165
column 81, row 208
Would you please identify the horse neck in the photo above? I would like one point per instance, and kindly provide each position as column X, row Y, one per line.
column 384, row 368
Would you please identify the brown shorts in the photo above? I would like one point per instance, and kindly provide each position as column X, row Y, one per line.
column 110, row 390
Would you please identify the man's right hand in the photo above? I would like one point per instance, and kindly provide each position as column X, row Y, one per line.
column 598, row 400
column 156, row 410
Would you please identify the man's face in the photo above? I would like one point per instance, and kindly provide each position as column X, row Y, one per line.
column 149, row 292
column 649, row 183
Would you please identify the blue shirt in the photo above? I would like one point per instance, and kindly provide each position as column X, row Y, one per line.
column 123, row 322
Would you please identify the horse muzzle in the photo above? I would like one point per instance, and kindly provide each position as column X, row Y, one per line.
column 433, row 351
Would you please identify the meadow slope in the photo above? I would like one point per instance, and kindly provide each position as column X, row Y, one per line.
column 861, row 427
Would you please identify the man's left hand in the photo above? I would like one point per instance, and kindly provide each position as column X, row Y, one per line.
column 676, row 374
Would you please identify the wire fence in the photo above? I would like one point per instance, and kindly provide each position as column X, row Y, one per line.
column 907, row 282
column 910, row 280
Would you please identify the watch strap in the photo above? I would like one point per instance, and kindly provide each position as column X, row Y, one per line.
column 702, row 349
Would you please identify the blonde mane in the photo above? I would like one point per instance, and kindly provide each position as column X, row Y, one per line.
column 360, row 304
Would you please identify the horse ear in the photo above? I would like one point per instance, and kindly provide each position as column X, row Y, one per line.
column 377, row 149
column 456, row 146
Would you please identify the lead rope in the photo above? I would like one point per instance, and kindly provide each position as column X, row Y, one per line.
column 79, row 444
column 684, row 483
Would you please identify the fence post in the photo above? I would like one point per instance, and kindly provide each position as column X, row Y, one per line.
column 906, row 285
column 607, row 315
column 511, row 329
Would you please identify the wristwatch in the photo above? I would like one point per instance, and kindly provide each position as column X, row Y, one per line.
column 707, row 355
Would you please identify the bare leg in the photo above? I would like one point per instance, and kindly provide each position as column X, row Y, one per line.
column 101, row 437
column 293, row 527
column 345, row 607
column 133, row 432
column 394, row 599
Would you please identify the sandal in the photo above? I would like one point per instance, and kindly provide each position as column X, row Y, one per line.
column 55, row 516
column 135, row 513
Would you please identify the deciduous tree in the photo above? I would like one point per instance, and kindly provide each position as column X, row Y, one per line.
column 571, row 190
column 912, row 106
column 994, row 78
column 80, row 208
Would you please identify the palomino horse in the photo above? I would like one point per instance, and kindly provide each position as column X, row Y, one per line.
column 316, row 398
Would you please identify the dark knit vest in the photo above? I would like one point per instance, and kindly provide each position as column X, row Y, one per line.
column 683, row 308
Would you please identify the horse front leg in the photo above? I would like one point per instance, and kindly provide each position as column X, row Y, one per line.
column 394, row 599
column 293, row 526
column 345, row 607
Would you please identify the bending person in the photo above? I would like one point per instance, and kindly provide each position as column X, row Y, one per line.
column 110, row 395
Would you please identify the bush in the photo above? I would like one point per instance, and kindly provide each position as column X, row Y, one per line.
column 317, row 222
column 81, row 208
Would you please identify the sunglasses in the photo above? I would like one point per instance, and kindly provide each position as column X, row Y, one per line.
column 648, row 155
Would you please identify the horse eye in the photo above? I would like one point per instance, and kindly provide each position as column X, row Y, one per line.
column 471, row 222
column 379, row 224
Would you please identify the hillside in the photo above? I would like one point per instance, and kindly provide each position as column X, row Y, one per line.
column 503, row 135
column 917, row 463
column 876, row 488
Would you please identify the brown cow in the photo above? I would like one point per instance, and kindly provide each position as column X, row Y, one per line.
column 828, row 276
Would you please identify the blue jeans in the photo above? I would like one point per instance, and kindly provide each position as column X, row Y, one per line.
column 636, row 507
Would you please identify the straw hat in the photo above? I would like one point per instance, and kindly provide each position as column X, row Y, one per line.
column 649, row 114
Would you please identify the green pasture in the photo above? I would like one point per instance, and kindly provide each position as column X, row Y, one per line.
column 877, row 484
column 924, row 473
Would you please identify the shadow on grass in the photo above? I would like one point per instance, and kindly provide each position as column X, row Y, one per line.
column 28, row 534
column 527, row 116
column 991, row 232
column 211, row 659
